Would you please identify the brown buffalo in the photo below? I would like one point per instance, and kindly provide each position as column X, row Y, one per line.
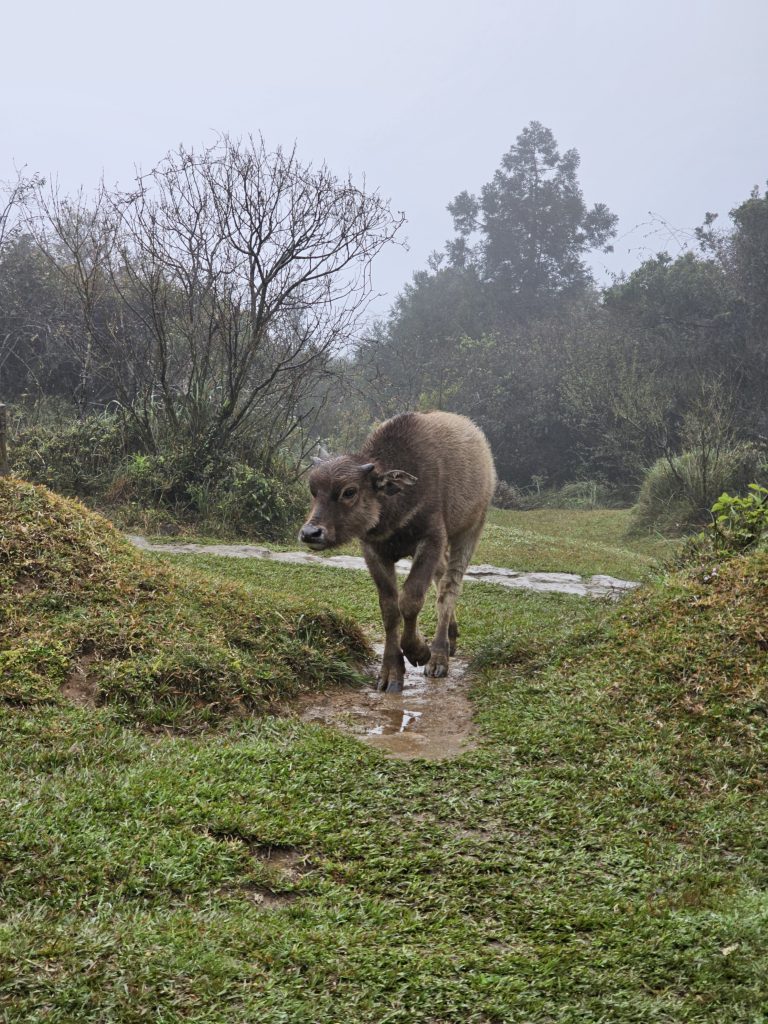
column 420, row 486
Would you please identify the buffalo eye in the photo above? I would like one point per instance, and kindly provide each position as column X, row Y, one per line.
column 349, row 492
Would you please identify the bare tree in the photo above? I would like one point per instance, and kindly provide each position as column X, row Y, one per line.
column 77, row 236
column 244, row 271
column 13, row 197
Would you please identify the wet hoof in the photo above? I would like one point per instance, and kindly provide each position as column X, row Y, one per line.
column 418, row 654
column 392, row 675
column 438, row 666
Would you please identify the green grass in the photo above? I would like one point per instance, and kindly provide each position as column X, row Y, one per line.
column 602, row 857
column 563, row 540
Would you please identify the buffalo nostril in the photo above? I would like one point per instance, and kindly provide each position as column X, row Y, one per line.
column 310, row 533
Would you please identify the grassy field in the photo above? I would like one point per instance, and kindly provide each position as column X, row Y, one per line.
column 602, row 857
column 564, row 540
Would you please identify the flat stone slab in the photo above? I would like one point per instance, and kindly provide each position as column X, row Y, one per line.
column 542, row 582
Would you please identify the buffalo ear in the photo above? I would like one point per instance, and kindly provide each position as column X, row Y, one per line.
column 394, row 481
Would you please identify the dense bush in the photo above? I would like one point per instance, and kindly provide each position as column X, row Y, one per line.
column 241, row 501
column 677, row 493
column 77, row 459
column 97, row 459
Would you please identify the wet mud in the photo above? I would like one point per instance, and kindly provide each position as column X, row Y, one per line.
column 431, row 718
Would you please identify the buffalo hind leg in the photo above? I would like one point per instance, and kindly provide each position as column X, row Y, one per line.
column 453, row 634
column 444, row 644
column 453, row 627
column 425, row 565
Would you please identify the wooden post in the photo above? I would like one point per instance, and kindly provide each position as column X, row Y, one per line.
column 4, row 466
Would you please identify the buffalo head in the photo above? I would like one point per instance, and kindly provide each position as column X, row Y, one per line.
column 346, row 500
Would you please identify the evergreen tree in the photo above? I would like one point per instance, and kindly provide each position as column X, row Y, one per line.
column 534, row 225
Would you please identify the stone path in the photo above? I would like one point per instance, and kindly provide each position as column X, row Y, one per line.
column 552, row 582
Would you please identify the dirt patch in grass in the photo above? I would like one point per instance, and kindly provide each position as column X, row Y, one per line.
column 267, row 899
column 80, row 686
column 286, row 864
column 289, row 861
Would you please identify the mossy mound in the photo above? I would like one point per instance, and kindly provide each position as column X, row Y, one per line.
column 689, row 655
column 84, row 616
column 688, row 652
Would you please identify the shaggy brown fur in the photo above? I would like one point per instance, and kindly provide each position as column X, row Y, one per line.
column 420, row 486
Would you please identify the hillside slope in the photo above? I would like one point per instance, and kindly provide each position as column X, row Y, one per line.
column 601, row 856
column 82, row 614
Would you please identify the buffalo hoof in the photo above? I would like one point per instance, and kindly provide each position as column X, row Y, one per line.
column 418, row 654
column 389, row 685
column 392, row 675
column 438, row 666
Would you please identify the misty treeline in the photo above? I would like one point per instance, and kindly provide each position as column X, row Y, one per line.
column 194, row 335
column 571, row 382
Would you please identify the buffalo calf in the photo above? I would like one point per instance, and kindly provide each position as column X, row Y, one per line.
column 420, row 486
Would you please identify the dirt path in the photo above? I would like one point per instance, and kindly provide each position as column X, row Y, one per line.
column 553, row 582
column 431, row 718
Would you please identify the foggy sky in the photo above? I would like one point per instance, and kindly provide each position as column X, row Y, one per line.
column 664, row 99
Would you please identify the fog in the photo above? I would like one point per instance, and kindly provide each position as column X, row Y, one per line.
column 665, row 102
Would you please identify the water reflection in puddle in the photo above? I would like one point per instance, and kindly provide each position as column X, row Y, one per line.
column 431, row 718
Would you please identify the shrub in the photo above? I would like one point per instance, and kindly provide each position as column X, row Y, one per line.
column 224, row 496
column 506, row 495
column 740, row 523
column 589, row 494
column 677, row 494
column 579, row 494
column 242, row 501
column 99, row 460
column 77, row 459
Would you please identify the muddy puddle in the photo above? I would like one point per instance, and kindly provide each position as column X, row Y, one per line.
column 431, row 718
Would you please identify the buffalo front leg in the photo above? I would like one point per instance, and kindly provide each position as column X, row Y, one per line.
column 426, row 562
column 392, row 672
